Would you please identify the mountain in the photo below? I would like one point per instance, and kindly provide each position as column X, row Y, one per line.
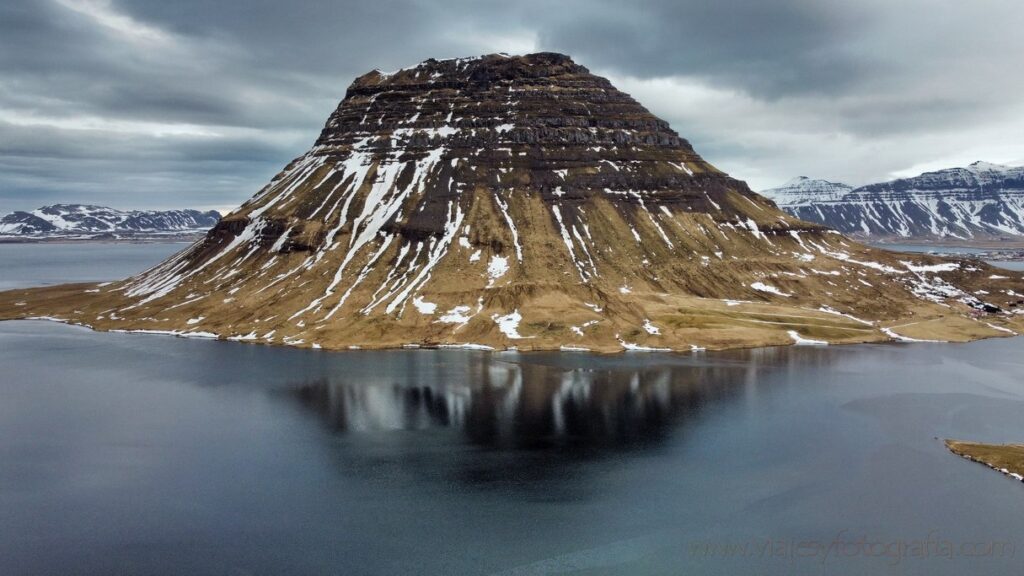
column 802, row 191
column 980, row 202
column 499, row 202
column 81, row 220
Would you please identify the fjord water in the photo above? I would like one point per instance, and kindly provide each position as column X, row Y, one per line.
column 44, row 264
column 142, row 454
column 929, row 248
column 965, row 250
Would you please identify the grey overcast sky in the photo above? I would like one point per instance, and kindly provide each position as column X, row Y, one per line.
column 197, row 103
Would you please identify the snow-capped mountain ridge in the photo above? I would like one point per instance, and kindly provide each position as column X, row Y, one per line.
column 982, row 166
column 978, row 201
column 88, row 219
column 803, row 190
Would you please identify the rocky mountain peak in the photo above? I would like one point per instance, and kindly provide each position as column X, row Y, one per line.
column 982, row 166
column 475, row 70
column 497, row 122
column 521, row 201
column 537, row 99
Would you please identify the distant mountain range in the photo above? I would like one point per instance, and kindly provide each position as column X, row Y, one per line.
column 982, row 201
column 86, row 221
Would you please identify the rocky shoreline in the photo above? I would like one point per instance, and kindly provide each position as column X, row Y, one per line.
column 1007, row 459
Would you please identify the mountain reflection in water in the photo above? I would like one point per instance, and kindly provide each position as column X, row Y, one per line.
column 526, row 403
column 136, row 454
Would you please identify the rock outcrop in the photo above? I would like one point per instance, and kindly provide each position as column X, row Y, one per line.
column 524, row 202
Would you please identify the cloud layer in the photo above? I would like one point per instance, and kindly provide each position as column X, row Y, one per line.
column 145, row 103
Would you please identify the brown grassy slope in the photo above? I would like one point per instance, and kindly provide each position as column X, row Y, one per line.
column 696, row 288
column 1006, row 458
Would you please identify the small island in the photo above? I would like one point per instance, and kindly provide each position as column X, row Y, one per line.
column 1005, row 458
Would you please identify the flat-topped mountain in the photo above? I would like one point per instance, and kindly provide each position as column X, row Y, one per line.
column 982, row 201
column 524, row 202
column 83, row 220
column 802, row 191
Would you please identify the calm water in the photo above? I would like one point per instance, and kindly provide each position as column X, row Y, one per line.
column 136, row 454
column 1008, row 265
column 23, row 265
column 930, row 249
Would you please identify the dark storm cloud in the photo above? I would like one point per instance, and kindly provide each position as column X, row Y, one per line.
column 772, row 48
column 155, row 103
